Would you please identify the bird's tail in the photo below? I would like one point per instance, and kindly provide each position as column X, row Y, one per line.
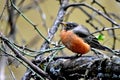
column 107, row 49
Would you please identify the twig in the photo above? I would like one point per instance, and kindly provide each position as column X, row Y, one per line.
column 118, row 1
column 92, row 8
column 42, row 14
column 103, row 8
column 68, row 14
column 33, row 66
column 11, row 20
column 11, row 73
column 7, row 54
column 29, row 21
column 55, row 25
column 113, row 31
column 90, row 19
column 2, row 11
column 106, row 29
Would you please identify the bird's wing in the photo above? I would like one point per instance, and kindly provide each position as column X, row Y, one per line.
column 93, row 42
column 81, row 31
column 84, row 33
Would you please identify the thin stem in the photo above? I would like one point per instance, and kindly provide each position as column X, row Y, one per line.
column 29, row 21
column 7, row 54
column 106, row 29
column 92, row 8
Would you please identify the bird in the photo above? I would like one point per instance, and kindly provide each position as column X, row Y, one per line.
column 78, row 38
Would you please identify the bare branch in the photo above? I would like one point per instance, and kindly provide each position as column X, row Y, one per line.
column 20, row 56
column 92, row 8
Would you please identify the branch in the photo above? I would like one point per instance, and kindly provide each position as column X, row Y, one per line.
column 55, row 25
column 87, row 67
column 106, row 29
column 97, row 11
column 29, row 21
column 11, row 20
column 20, row 56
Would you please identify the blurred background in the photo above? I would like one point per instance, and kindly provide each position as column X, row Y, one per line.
column 43, row 14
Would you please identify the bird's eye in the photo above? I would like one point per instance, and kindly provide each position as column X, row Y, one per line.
column 70, row 26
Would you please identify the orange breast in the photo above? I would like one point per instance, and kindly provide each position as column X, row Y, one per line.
column 73, row 42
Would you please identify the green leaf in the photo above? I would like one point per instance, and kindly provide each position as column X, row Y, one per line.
column 100, row 37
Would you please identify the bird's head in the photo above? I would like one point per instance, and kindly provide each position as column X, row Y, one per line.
column 69, row 25
column 79, row 30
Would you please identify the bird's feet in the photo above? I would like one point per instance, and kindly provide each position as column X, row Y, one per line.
column 76, row 56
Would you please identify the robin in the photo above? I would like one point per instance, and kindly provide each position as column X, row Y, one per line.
column 78, row 39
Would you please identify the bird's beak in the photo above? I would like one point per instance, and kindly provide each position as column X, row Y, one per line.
column 63, row 23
